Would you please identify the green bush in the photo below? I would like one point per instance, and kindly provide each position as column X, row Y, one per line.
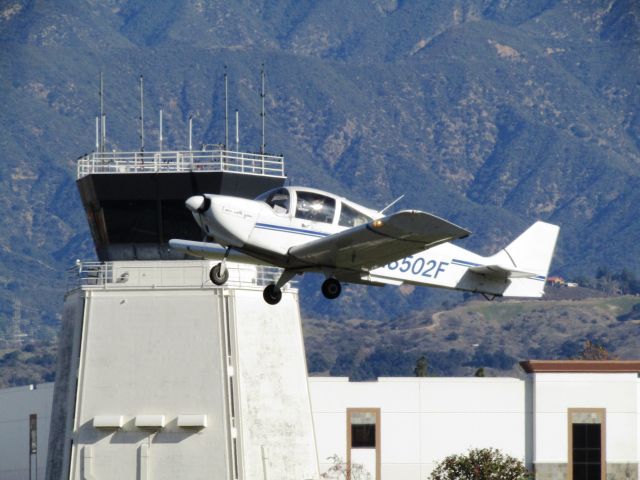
column 481, row 464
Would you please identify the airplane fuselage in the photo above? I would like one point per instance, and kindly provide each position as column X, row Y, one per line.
column 307, row 230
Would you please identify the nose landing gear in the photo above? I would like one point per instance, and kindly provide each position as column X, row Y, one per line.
column 219, row 274
column 331, row 288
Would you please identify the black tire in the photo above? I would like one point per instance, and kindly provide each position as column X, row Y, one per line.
column 331, row 288
column 272, row 294
column 216, row 278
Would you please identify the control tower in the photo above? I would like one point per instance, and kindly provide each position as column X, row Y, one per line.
column 162, row 374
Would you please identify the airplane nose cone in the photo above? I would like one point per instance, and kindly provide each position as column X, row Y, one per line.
column 198, row 203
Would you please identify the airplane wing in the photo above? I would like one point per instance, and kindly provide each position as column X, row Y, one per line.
column 378, row 242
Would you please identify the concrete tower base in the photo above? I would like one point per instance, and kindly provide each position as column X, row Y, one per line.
column 177, row 379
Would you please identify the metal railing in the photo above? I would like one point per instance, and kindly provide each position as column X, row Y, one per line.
column 215, row 160
column 170, row 274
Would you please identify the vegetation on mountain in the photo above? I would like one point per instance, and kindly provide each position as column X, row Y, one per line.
column 624, row 282
column 459, row 341
column 422, row 367
column 593, row 351
column 31, row 364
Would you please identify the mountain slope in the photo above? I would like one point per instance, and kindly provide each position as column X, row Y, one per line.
column 488, row 113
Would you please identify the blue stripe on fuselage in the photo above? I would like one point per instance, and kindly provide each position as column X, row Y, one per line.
column 298, row 231
column 464, row 263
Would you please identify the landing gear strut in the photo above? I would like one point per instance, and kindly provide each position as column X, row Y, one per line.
column 331, row 288
column 219, row 274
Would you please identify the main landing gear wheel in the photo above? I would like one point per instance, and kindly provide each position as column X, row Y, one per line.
column 219, row 278
column 272, row 294
column 331, row 288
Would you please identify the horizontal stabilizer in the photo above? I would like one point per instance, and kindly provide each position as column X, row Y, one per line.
column 499, row 271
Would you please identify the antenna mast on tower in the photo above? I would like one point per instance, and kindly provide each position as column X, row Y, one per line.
column 160, row 137
column 226, row 110
column 262, row 112
column 97, row 134
column 237, row 131
column 103, row 128
column 141, row 113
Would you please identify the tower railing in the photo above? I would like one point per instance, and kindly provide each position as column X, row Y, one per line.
column 175, row 274
column 207, row 160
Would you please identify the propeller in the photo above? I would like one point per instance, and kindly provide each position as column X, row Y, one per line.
column 205, row 205
column 199, row 204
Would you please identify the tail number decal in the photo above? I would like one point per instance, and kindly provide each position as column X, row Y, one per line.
column 419, row 266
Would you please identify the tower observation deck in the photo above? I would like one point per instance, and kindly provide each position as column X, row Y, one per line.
column 134, row 201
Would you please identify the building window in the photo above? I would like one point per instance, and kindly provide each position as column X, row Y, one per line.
column 363, row 430
column 586, row 444
column 363, row 441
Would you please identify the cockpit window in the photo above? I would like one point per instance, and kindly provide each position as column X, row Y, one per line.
column 278, row 200
column 315, row 207
column 350, row 217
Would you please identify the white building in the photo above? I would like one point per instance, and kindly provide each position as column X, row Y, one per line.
column 25, row 414
column 566, row 416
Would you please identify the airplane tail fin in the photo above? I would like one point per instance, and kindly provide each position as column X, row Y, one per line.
column 527, row 259
column 532, row 250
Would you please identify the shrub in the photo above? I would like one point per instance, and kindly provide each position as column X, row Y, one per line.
column 481, row 464
column 340, row 471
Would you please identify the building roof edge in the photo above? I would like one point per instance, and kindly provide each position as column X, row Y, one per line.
column 581, row 366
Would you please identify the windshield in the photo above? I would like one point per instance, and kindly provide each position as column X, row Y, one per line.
column 315, row 207
column 276, row 199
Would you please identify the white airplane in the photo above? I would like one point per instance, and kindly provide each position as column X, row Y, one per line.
column 307, row 230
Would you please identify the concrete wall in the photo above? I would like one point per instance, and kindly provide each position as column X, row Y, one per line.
column 277, row 439
column 16, row 405
column 151, row 353
column 159, row 343
column 423, row 419
column 63, row 408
